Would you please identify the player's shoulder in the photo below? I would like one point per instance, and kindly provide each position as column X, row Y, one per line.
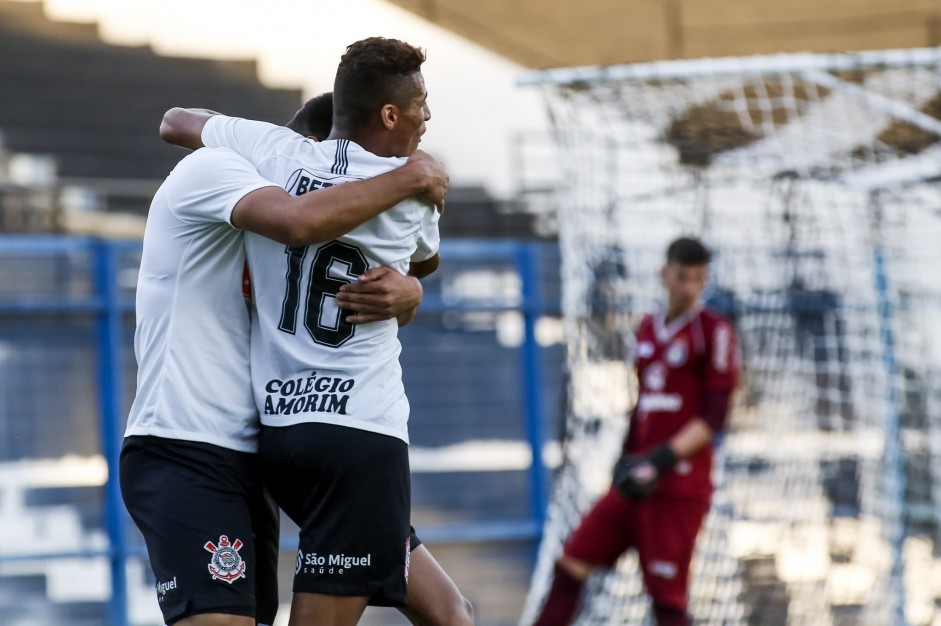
column 211, row 163
column 253, row 136
column 646, row 323
column 712, row 318
column 256, row 126
column 203, row 156
column 718, row 329
column 194, row 164
column 354, row 160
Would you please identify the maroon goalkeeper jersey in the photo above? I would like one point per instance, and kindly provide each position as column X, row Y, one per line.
column 678, row 365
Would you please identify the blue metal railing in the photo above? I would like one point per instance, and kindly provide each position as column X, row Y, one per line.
column 112, row 423
column 108, row 306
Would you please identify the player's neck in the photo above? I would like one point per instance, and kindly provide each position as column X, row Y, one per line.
column 368, row 140
column 674, row 312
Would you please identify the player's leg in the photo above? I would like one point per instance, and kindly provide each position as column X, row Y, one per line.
column 190, row 502
column 314, row 609
column 266, row 521
column 433, row 598
column 349, row 489
column 601, row 537
column 564, row 595
column 215, row 619
column 667, row 531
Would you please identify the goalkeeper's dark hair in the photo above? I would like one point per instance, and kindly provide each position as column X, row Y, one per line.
column 688, row 251
column 315, row 118
column 374, row 72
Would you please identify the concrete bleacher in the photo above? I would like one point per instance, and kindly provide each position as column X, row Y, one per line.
column 95, row 107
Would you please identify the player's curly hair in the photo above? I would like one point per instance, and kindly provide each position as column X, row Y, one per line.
column 374, row 72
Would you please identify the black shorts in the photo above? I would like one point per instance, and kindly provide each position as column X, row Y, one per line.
column 349, row 492
column 211, row 531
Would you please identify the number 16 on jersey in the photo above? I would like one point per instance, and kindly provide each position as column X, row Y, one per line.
column 334, row 265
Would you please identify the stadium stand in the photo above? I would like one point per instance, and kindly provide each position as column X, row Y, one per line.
column 79, row 153
column 92, row 109
column 78, row 123
column 95, row 106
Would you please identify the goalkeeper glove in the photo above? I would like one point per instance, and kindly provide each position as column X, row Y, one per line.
column 637, row 476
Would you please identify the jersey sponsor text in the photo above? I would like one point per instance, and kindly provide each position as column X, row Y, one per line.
column 313, row 563
column 164, row 587
column 324, row 394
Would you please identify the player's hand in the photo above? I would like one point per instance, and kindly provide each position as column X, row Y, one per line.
column 380, row 294
column 635, row 476
column 433, row 171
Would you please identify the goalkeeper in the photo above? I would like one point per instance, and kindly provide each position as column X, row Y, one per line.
column 687, row 369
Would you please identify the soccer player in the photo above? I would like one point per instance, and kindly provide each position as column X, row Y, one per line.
column 375, row 294
column 189, row 473
column 687, row 368
column 334, row 413
column 433, row 598
column 315, row 119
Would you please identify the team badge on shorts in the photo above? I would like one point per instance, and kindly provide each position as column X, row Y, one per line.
column 226, row 563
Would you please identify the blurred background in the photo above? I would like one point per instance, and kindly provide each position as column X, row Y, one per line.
column 527, row 315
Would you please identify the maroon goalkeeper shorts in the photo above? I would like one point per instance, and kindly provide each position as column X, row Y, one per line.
column 661, row 528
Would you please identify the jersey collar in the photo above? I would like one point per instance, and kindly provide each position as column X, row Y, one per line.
column 664, row 332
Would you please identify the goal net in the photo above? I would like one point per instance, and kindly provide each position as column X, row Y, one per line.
column 816, row 181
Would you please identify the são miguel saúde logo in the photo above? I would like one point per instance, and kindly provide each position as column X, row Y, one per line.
column 226, row 563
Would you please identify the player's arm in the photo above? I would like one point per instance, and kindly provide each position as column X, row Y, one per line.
column 418, row 270
column 381, row 293
column 719, row 380
column 700, row 431
column 637, row 476
column 693, row 437
column 421, row 269
column 326, row 214
column 427, row 177
column 184, row 127
column 371, row 304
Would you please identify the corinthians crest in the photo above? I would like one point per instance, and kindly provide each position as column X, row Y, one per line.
column 226, row 563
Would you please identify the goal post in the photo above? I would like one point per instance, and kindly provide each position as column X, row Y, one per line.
column 816, row 181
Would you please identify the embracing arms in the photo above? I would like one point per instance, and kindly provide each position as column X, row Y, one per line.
column 331, row 212
column 328, row 213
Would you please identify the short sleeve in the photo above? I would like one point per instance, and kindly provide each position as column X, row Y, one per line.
column 429, row 239
column 642, row 339
column 722, row 368
column 253, row 140
column 206, row 185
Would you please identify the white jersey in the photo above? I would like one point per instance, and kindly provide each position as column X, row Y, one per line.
column 308, row 363
column 192, row 337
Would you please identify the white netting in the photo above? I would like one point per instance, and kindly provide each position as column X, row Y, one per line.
column 814, row 180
